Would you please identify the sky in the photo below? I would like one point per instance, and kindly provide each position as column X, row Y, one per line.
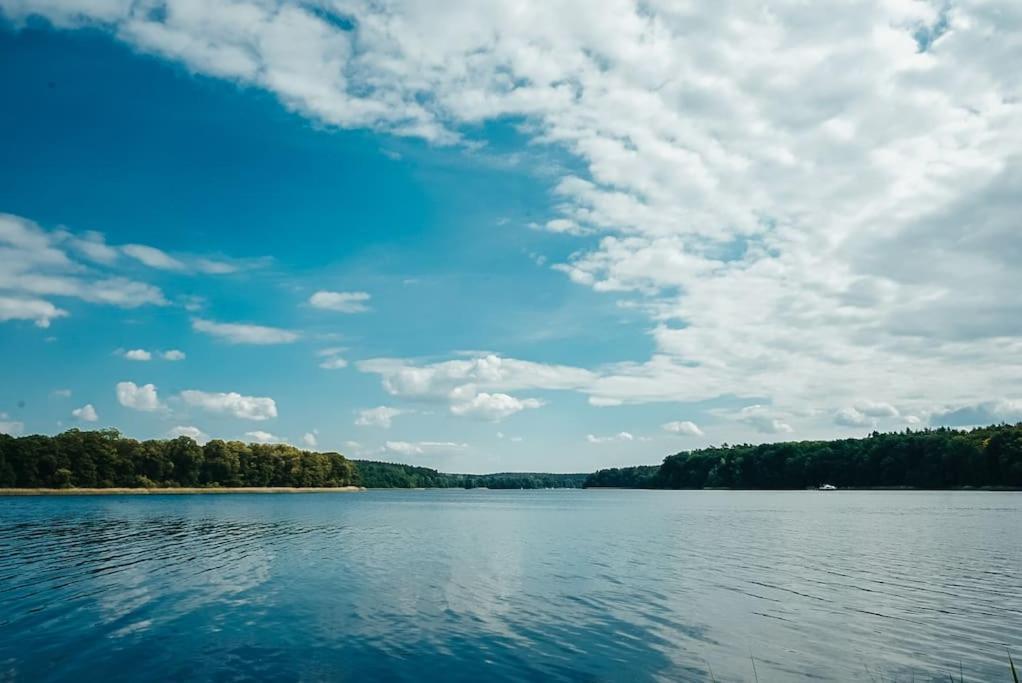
column 509, row 235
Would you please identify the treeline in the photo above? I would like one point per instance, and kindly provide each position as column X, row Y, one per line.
column 387, row 475
column 105, row 459
column 931, row 459
column 638, row 477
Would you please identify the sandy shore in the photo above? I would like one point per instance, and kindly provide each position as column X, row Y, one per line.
column 177, row 491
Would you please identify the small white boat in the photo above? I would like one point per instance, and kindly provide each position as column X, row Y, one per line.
column 828, row 487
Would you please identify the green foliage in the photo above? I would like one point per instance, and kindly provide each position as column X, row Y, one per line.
column 386, row 475
column 932, row 458
column 640, row 477
column 105, row 459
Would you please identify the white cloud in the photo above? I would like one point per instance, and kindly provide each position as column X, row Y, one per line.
column 35, row 262
column 310, row 440
column 335, row 363
column 211, row 267
column 620, row 436
column 404, row 448
column 152, row 257
column 92, row 245
column 37, row 310
column 684, row 427
column 61, row 393
column 851, row 417
column 421, row 447
column 237, row 333
column 193, row 433
column 763, row 419
column 261, row 436
column 11, row 427
column 143, row 398
column 341, row 302
column 138, row 354
column 232, row 403
column 86, row 413
column 492, row 407
column 876, row 409
column 755, row 178
column 173, row 355
column 866, row 414
column 381, row 416
column 461, row 377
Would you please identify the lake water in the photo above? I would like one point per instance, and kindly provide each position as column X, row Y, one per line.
column 517, row 585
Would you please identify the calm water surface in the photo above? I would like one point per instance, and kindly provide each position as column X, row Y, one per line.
column 486, row 585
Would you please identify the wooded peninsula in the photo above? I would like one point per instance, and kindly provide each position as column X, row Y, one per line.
column 941, row 458
column 927, row 459
column 106, row 459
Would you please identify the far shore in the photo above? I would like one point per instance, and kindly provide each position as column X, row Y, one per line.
column 184, row 490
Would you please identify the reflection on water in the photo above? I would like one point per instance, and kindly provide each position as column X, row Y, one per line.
column 551, row 585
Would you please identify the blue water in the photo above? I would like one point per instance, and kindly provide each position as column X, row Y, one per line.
column 518, row 585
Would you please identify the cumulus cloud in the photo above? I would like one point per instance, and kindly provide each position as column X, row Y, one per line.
column 381, row 416
column 138, row 354
column 684, row 427
column 851, row 417
column 261, row 436
column 193, row 433
column 754, row 179
column 620, row 436
column 764, row 420
column 867, row 413
column 231, row 403
column 37, row 310
column 341, row 302
column 310, row 440
column 485, row 372
column 876, row 409
column 239, row 333
column 332, row 359
column 11, row 427
column 173, row 355
column 87, row 413
column 143, row 398
column 493, row 407
column 421, row 447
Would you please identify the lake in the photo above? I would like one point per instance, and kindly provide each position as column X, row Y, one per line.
column 513, row 585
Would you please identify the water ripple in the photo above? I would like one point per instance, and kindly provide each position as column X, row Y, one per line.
column 570, row 586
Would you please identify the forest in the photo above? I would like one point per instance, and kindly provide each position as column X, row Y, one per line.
column 928, row 459
column 106, row 459
column 931, row 459
column 386, row 475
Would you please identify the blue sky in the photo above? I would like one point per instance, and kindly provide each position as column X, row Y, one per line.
column 556, row 248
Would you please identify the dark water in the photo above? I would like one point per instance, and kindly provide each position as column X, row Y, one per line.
column 485, row 585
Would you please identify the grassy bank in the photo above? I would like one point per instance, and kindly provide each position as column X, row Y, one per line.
column 178, row 491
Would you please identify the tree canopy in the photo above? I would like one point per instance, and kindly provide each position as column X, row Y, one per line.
column 104, row 459
column 931, row 458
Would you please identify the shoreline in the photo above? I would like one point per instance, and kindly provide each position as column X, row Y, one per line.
column 183, row 490
column 987, row 489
